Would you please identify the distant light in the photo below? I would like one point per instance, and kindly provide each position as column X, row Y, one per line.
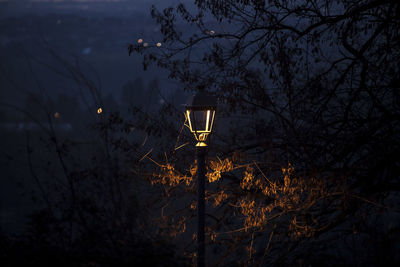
column 57, row 115
column 99, row 110
column 158, row 44
column 87, row 51
column 140, row 40
column 145, row 44
column 212, row 32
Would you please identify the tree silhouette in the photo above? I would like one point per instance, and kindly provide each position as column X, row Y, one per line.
column 132, row 93
column 309, row 133
column 91, row 207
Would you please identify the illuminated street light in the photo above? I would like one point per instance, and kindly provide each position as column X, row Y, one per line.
column 200, row 113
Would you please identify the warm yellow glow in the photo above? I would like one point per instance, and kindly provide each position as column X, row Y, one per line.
column 201, row 144
column 204, row 128
column 57, row 115
column 202, row 137
column 212, row 32
column 201, row 134
column 212, row 120
column 188, row 118
column 207, row 120
column 286, row 191
column 140, row 40
column 158, row 44
column 99, row 110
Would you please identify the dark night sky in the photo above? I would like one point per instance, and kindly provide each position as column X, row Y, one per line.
column 99, row 7
column 96, row 32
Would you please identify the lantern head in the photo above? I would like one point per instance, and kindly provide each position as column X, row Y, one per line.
column 200, row 113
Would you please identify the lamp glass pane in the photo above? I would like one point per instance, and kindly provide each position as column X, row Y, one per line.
column 200, row 120
column 189, row 119
column 211, row 120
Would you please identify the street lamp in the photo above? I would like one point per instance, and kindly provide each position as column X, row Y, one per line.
column 200, row 113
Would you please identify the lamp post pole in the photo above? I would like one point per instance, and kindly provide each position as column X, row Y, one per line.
column 200, row 112
column 201, row 153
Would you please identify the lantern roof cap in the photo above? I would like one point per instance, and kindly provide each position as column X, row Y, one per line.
column 201, row 101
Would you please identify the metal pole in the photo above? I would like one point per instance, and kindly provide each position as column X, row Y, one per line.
column 201, row 152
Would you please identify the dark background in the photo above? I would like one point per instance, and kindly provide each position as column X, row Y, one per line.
column 97, row 168
column 94, row 32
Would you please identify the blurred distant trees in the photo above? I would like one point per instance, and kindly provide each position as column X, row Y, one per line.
column 132, row 93
column 303, row 166
column 76, row 152
column 80, row 168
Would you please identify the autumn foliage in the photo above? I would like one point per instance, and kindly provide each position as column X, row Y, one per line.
column 302, row 158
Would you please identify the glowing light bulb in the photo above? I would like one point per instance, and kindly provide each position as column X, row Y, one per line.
column 140, row 40
column 158, row 44
column 212, row 32
column 99, row 110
